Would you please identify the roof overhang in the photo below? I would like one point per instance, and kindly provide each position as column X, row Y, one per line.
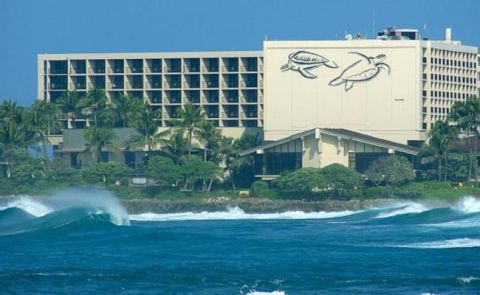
column 339, row 133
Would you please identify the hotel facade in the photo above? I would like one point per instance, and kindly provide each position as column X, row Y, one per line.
column 392, row 88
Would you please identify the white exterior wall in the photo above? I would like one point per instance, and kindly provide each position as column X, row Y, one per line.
column 387, row 106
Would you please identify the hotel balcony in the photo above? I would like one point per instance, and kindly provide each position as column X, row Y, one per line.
column 134, row 66
column 173, row 65
column 191, row 65
column 153, row 82
column 173, row 97
column 192, row 96
column 210, row 97
column 210, row 65
column 153, row 66
column 230, row 64
column 96, row 66
column 173, row 112
column 230, row 81
column 191, row 81
column 58, row 67
column 78, row 67
column 249, row 96
column 155, row 97
column 249, row 64
column 173, row 82
column 211, row 112
column 115, row 66
column 210, row 81
column 230, row 112
column 249, row 81
column 230, row 96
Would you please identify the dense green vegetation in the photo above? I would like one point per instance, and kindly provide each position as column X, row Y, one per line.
column 194, row 158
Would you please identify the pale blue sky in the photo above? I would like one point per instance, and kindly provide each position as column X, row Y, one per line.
column 30, row 27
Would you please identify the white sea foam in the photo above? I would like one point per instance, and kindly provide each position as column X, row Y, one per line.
column 446, row 244
column 266, row 293
column 404, row 209
column 29, row 205
column 237, row 213
column 469, row 205
column 468, row 280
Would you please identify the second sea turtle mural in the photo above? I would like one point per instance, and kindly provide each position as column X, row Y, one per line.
column 364, row 69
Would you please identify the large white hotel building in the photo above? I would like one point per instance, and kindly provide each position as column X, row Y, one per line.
column 390, row 88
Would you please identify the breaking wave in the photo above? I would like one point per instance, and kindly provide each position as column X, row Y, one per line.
column 71, row 208
column 237, row 214
column 445, row 244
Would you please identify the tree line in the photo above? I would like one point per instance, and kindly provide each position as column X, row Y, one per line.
column 190, row 152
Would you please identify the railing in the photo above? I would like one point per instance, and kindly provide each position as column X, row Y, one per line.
column 58, row 71
column 227, row 100
column 251, row 68
column 210, row 84
column 134, row 70
column 170, row 69
column 115, row 86
column 229, row 69
column 230, row 115
column 133, row 85
column 54, row 86
column 210, row 69
column 191, row 69
column 75, row 71
column 96, row 70
column 118, row 70
column 78, row 86
column 191, row 84
column 230, row 84
column 172, row 85
column 153, row 85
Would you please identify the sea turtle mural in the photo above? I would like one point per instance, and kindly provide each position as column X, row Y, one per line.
column 304, row 61
column 364, row 69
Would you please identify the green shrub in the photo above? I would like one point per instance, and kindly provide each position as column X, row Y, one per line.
column 340, row 178
column 107, row 173
column 259, row 188
column 302, row 180
column 163, row 170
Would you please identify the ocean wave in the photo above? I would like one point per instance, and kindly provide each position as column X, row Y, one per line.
column 409, row 208
column 29, row 205
column 237, row 214
column 266, row 293
column 468, row 280
column 445, row 244
column 468, row 204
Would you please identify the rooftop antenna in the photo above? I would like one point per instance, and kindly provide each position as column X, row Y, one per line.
column 265, row 38
column 424, row 30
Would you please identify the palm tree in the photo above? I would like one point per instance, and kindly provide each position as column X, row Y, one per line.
column 209, row 137
column 440, row 136
column 147, row 123
column 191, row 117
column 70, row 106
column 44, row 120
column 125, row 107
column 93, row 104
column 174, row 148
column 97, row 138
column 467, row 116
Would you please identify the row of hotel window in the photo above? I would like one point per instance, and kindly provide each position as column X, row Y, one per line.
column 445, row 94
column 437, row 110
column 176, row 65
column 170, row 81
column 450, row 78
column 451, row 62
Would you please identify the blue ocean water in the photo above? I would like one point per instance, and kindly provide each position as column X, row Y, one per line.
column 60, row 246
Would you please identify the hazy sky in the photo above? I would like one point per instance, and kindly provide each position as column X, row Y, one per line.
column 28, row 28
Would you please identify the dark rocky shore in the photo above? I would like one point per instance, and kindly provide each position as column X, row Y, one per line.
column 249, row 205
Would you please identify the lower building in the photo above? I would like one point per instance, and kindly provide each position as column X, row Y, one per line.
column 318, row 148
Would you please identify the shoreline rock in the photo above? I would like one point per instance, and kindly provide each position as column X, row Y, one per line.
column 249, row 205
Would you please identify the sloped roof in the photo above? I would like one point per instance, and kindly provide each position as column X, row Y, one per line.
column 342, row 133
column 74, row 140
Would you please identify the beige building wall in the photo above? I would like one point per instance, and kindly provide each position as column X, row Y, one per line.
column 387, row 106
column 311, row 89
